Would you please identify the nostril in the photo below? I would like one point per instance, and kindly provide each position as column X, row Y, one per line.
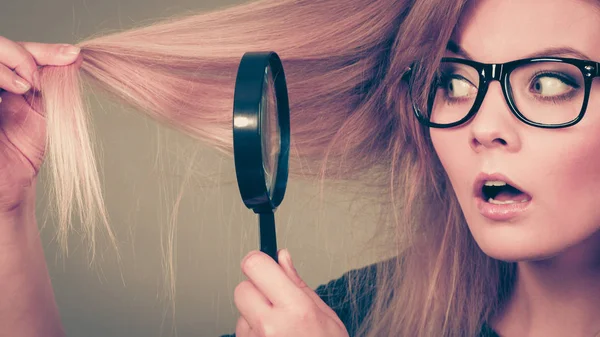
column 478, row 145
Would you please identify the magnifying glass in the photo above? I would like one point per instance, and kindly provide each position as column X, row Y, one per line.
column 261, row 139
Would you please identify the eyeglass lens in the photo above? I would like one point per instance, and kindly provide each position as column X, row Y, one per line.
column 543, row 92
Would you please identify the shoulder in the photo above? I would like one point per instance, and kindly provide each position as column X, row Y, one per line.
column 352, row 295
column 337, row 290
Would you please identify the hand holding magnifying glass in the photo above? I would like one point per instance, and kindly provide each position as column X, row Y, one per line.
column 261, row 139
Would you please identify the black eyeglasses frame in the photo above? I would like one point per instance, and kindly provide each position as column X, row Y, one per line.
column 500, row 72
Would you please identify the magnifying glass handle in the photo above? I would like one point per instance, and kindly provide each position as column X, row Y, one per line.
column 268, row 239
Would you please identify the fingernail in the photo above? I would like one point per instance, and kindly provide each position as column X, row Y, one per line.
column 250, row 254
column 288, row 257
column 22, row 85
column 70, row 50
column 295, row 275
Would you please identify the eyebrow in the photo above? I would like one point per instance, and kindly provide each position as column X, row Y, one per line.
column 453, row 47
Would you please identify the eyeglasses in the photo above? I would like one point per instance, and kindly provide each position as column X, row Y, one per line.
column 547, row 92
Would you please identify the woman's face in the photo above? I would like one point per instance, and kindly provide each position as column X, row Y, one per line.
column 559, row 169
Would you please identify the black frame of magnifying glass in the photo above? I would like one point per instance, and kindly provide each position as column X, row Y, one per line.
column 247, row 142
column 489, row 72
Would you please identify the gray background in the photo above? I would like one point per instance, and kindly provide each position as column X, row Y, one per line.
column 143, row 166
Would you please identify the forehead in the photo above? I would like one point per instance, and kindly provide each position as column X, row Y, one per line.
column 505, row 30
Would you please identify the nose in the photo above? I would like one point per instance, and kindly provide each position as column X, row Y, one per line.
column 494, row 125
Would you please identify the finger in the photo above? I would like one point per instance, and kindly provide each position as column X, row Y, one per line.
column 271, row 280
column 51, row 54
column 24, row 127
column 287, row 264
column 251, row 303
column 34, row 99
column 243, row 329
column 12, row 82
column 285, row 261
column 16, row 57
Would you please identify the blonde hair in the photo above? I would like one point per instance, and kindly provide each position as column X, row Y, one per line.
column 350, row 116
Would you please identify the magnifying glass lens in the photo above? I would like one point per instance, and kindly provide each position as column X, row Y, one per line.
column 261, row 139
column 270, row 133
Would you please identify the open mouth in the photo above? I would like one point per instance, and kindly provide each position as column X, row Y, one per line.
column 501, row 193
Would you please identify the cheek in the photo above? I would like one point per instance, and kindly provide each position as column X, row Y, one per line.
column 564, row 180
column 442, row 144
column 456, row 157
column 567, row 167
column 569, row 182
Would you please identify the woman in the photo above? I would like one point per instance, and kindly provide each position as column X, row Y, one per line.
column 487, row 158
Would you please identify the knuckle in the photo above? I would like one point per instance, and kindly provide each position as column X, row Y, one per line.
column 47, row 52
column 23, row 55
column 269, row 329
column 25, row 62
column 302, row 315
column 55, row 49
column 305, row 304
column 60, row 51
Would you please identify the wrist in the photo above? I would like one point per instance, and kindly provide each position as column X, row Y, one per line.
column 20, row 244
column 27, row 304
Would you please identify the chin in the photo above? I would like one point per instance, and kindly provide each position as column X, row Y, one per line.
column 512, row 247
column 516, row 255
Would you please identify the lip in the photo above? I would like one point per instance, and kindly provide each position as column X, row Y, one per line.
column 493, row 211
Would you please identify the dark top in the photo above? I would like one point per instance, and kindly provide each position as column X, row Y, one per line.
column 334, row 295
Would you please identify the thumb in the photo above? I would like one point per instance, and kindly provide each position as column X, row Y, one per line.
column 288, row 266
column 286, row 263
column 52, row 54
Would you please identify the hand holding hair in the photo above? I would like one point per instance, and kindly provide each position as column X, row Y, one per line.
column 276, row 302
column 27, row 305
column 19, row 62
column 23, row 126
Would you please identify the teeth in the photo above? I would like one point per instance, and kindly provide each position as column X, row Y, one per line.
column 494, row 183
column 507, row 202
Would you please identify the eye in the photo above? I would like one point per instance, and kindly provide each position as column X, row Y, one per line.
column 459, row 87
column 550, row 85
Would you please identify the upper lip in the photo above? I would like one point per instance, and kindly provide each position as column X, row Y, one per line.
column 483, row 177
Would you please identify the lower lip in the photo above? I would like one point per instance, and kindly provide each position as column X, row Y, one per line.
column 501, row 212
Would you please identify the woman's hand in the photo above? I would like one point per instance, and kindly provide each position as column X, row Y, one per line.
column 27, row 305
column 23, row 127
column 275, row 302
